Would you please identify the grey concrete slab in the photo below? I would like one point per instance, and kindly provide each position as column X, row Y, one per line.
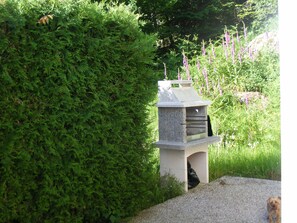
column 227, row 199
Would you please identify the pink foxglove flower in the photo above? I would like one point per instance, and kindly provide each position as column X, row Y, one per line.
column 227, row 38
column 213, row 51
column 233, row 50
column 239, row 57
column 204, row 72
column 251, row 53
column 201, row 89
column 198, row 65
column 203, row 48
column 237, row 37
column 225, row 50
column 186, row 65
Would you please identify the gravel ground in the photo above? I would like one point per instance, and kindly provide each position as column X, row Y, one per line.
column 226, row 200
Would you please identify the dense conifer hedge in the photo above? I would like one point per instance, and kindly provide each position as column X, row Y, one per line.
column 75, row 81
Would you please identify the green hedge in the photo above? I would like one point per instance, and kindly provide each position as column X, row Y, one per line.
column 73, row 111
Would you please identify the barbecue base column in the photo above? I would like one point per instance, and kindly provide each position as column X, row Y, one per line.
column 174, row 162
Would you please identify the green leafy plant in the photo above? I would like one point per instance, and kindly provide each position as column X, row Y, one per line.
column 170, row 187
column 75, row 82
column 242, row 82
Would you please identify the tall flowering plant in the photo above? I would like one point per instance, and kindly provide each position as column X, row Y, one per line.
column 220, row 64
column 224, row 69
column 186, row 66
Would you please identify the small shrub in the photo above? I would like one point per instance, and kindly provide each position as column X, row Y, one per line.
column 171, row 187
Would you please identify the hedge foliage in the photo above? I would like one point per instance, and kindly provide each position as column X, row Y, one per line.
column 74, row 88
